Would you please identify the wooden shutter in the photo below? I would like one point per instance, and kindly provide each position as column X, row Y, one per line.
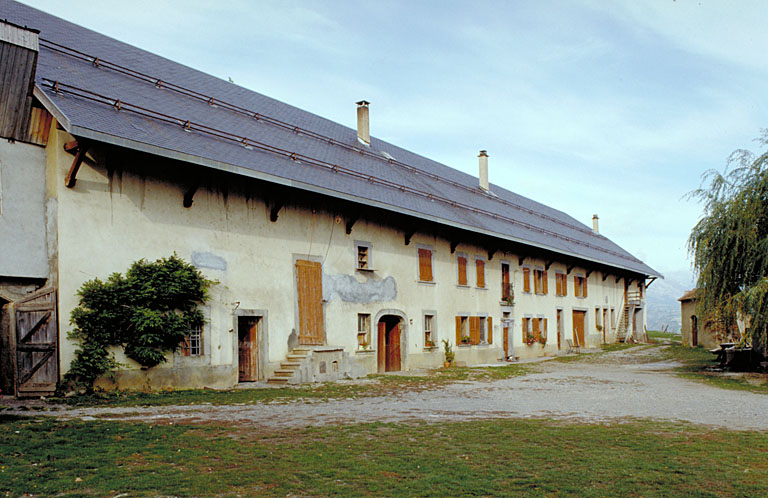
column 480, row 265
column 565, row 284
column 526, row 279
column 489, row 330
column 576, row 286
column 584, row 283
column 425, row 265
column 544, row 327
column 458, row 330
column 462, row 270
column 474, row 330
column 546, row 284
column 536, row 328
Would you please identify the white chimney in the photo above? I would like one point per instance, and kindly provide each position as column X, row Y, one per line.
column 363, row 125
column 483, row 164
column 595, row 227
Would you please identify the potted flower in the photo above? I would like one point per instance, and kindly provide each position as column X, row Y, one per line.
column 449, row 354
column 364, row 346
column 465, row 339
column 530, row 339
column 542, row 340
column 429, row 343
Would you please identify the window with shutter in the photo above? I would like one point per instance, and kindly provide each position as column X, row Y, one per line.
column 526, row 280
column 489, row 330
column 474, row 330
column 462, row 263
column 480, row 266
column 425, row 265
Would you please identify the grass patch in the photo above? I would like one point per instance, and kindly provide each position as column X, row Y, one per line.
column 381, row 385
column 42, row 456
column 659, row 336
column 696, row 361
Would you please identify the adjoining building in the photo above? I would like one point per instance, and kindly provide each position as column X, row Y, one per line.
column 336, row 254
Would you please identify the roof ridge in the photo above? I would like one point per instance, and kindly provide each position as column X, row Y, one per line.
column 188, row 125
column 159, row 83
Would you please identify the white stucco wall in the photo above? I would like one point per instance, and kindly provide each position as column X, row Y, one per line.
column 108, row 220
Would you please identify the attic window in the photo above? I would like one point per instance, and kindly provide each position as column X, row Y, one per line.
column 363, row 256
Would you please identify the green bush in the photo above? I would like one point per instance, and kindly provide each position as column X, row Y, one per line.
column 147, row 312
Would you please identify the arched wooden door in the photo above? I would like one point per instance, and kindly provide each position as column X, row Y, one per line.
column 389, row 342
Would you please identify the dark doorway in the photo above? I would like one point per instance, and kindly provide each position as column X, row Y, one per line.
column 390, row 331
column 248, row 348
column 694, row 331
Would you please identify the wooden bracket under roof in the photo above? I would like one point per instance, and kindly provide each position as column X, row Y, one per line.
column 189, row 195
column 548, row 264
column 79, row 148
column 351, row 220
column 491, row 252
column 408, row 234
column 569, row 269
column 454, row 245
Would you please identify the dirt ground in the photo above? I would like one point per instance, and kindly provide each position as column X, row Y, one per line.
column 609, row 387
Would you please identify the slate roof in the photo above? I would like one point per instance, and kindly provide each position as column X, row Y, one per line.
column 128, row 98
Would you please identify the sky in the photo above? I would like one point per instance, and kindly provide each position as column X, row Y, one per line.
column 614, row 108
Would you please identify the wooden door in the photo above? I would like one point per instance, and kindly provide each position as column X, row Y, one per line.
column 505, row 337
column 393, row 348
column 605, row 324
column 248, row 348
column 694, row 331
column 309, row 285
column 381, row 340
column 578, row 327
column 559, row 329
column 36, row 344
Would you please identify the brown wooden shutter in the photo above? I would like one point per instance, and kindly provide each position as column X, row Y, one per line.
column 565, row 285
column 584, row 280
column 546, row 284
column 525, row 328
column 480, row 265
column 474, row 330
column 536, row 328
column 544, row 326
column 576, row 286
column 558, row 285
column 527, row 279
column 489, row 330
column 425, row 265
column 458, row 330
column 462, row 270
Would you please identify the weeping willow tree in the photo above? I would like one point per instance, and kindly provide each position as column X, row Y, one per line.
column 729, row 246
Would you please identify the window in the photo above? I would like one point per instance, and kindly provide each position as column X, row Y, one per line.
column 425, row 265
column 540, row 281
column 461, row 259
column 506, row 286
column 527, row 333
column 480, row 267
column 363, row 331
column 462, row 330
column 193, row 343
column 579, row 286
column 363, row 253
column 598, row 322
column 561, row 284
column 526, row 280
column 474, row 330
column 429, row 338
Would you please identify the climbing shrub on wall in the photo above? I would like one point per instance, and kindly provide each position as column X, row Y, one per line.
column 147, row 312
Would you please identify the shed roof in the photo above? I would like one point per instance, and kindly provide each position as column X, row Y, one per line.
column 102, row 89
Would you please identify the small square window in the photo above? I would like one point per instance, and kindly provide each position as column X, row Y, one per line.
column 363, row 256
column 193, row 343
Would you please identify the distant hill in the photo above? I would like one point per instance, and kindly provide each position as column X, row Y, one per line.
column 661, row 299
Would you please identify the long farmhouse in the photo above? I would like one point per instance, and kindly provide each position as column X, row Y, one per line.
column 336, row 254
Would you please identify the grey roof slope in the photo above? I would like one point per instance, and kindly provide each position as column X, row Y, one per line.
column 151, row 117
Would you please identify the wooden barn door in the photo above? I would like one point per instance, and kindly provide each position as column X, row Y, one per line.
column 309, row 285
column 37, row 338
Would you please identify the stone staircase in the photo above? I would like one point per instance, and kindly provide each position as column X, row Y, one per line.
column 287, row 372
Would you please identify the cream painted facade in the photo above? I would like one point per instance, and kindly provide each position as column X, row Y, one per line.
column 126, row 206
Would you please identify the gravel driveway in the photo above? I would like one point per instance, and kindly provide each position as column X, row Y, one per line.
column 608, row 387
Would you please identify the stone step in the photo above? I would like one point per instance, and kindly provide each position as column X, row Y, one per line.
column 284, row 373
column 292, row 358
column 278, row 380
column 290, row 365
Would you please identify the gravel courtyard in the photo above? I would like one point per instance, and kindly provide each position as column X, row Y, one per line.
column 609, row 387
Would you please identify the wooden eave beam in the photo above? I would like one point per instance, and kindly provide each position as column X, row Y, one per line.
column 274, row 211
column 569, row 269
column 454, row 245
column 605, row 275
column 548, row 264
column 521, row 260
column 491, row 252
column 189, row 195
column 589, row 272
column 650, row 281
column 350, row 223
column 80, row 149
column 407, row 235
